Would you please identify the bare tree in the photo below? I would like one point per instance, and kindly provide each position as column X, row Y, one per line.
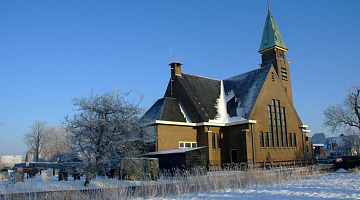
column 36, row 138
column 55, row 145
column 104, row 128
column 346, row 115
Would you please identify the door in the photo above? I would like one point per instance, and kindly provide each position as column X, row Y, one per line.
column 233, row 155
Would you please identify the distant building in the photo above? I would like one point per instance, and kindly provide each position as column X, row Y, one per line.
column 11, row 159
column 246, row 118
column 342, row 146
column 318, row 140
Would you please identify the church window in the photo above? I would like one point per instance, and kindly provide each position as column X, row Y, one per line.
column 272, row 76
column 213, row 141
column 278, row 118
column 277, row 125
column 267, row 139
column 294, row 138
column 290, row 140
column 284, row 129
column 261, row 139
column 273, row 136
column 274, row 124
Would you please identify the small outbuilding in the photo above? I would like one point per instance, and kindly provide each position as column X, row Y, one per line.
column 185, row 158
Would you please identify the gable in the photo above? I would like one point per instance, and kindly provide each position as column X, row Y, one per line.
column 273, row 89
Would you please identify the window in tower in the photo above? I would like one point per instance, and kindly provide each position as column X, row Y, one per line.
column 284, row 74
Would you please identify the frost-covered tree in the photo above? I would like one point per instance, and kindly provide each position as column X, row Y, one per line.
column 104, row 128
column 56, row 144
column 346, row 115
column 36, row 138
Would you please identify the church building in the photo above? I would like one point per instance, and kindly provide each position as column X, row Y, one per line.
column 246, row 118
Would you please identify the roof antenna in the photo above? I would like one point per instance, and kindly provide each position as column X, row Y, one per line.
column 268, row 5
column 170, row 56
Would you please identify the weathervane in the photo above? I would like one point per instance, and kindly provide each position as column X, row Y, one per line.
column 268, row 5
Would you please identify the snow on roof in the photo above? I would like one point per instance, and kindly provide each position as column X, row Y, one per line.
column 318, row 145
column 336, row 143
column 241, row 92
column 202, row 99
column 173, row 151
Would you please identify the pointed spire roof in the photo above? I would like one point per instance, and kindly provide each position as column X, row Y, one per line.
column 271, row 35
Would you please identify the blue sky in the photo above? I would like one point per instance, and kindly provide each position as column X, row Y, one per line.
column 52, row 51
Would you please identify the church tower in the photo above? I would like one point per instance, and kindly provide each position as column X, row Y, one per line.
column 273, row 52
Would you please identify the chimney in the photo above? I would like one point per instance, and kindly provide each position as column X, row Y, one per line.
column 175, row 69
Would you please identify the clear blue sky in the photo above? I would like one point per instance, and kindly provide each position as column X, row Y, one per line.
column 52, row 51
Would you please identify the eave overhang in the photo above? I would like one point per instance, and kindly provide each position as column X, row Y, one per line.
column 201, row 123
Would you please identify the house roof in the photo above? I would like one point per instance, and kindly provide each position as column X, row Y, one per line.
column 167, row 109
column 318, row 138
column 271, row 35
column 336, row 143
column 241, row 92
column 201, row 99
column 202, row 93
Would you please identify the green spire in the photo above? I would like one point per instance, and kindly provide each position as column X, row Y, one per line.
column 271, row 35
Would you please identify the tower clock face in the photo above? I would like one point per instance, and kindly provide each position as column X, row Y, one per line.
column 281, row 52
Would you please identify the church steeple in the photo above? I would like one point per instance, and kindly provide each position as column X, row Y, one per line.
column 271, row 35
column 273, row 52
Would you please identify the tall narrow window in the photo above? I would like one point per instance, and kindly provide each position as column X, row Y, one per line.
column 219, row 140
column 294, row 138
column 278, row 119
column 274, row 124
column 271, row 140
column 267, row 139
column 283, row 117
column 275, row 141
column 261, row 139
column 213, row 141
column 290, row 140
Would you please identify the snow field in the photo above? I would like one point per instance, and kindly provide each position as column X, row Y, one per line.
column 321, row 186
column 258, row 184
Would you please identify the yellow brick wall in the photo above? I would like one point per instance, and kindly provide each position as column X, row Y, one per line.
column 170, row 135
column 273, row 90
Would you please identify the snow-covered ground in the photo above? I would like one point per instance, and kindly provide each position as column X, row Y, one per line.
column 319, row 186
column 36, row 185
column 323, row 186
